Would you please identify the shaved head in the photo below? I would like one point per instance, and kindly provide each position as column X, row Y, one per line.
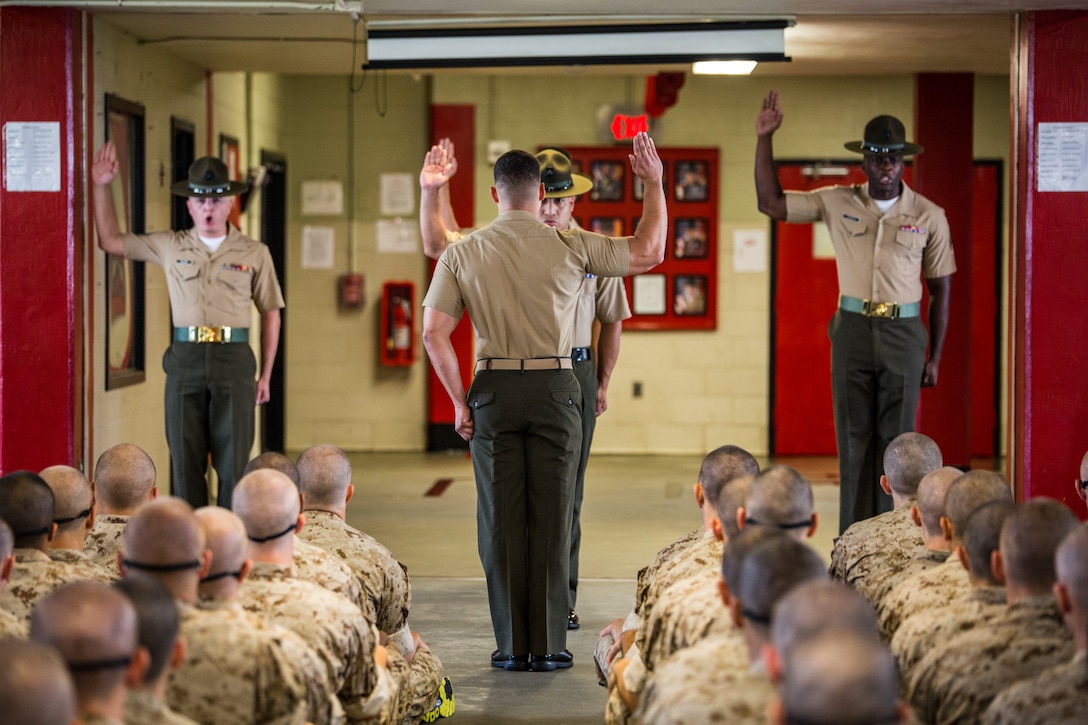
column 841, row 677
column 72, row 495
column 970, row 491
column 734, row 495
column 722, row 465
column 908, row 458
column 164, row 532
column 781, row 497
column 226, row 537
column 124, row 478
column 769, row 572
column 1071, row 561
column 982, row 537
column 276, row 462
column 268, row 503
column 35, row 686
column 93, row 628
column 27, row 504
column 1029, row 540
column 814, row 606
column 156, row 620
column 931, row 495
column 324, row 475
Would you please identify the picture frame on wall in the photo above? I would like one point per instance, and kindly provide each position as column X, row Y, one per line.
column 611, row 226
column 230, row 153
column 648, row 294
column 124, row 280
column 608, row 179
column 690, row 238
column 691, row 183
column 689, row 295
column 681, row 292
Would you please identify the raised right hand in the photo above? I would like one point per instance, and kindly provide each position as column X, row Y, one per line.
column 105, row 167
column 437, row 169
column 770, row 117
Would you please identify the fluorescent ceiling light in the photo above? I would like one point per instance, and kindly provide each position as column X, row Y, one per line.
column 723, row 67
column 563, row 45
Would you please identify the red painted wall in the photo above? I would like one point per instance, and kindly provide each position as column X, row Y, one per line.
column 944, row 173
column 458, row 123
column 40, row 233
column 1050, row 386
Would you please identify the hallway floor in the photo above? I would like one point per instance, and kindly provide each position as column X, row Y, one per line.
column 633, row 506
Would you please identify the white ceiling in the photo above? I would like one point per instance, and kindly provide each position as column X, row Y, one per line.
column 831, row 37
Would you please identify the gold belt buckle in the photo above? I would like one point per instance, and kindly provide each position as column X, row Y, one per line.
column 885, row 310
column 209, row 334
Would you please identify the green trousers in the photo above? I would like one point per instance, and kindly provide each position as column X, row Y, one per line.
column 527, row 434
column 586, row 372
column 876, row 378
column 210, row 400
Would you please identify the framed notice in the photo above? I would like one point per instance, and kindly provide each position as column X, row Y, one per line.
column 124, row 278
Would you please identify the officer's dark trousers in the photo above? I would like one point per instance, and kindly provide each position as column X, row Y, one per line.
column 211, row 393
column 876, row 376
column 586, row 372
column 527, row 435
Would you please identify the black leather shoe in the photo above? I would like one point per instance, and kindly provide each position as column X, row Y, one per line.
column 547, row 663
column 572, row 620
column 511, row 663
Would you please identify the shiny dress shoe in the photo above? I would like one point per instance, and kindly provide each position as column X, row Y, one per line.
column 547, row 663
column 511, row 663
column 572, row 620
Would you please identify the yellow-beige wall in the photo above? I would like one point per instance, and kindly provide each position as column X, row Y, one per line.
column 700, row 389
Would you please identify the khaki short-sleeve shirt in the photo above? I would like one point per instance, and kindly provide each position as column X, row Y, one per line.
column 210, row 288
column 520, row 280
column 879, row 256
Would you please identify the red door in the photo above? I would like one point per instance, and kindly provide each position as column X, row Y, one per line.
column 804, row 296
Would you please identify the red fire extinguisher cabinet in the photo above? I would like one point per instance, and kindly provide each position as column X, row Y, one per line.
column 398, row 343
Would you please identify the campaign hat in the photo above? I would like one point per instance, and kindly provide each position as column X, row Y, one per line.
column 884, row 135
column 208, row 179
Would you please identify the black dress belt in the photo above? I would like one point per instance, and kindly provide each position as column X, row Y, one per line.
column 580, row 354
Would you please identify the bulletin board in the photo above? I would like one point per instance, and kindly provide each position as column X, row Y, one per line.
column 681, row 293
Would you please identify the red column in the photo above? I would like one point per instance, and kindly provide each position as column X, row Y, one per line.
column 1049, row 384
column 944, row 173
column 41, row 235
column 458, row 123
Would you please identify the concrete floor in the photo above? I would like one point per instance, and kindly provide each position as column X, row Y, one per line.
column 633, row 506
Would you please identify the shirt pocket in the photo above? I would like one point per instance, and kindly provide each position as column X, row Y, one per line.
column 188, row 280
column 908, row 248
column 852, row 226
column 233, row 289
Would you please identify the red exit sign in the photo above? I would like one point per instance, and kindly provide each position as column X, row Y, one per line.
column 625, row 127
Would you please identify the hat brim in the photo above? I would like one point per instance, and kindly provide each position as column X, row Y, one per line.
column 580, row 184
column 233, row 188
column 909, row 149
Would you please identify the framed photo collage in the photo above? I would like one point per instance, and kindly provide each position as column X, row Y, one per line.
column 681, row 292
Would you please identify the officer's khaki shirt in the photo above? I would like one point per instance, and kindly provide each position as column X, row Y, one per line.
column 879, row 255
column 210, row 288
column 520, row 280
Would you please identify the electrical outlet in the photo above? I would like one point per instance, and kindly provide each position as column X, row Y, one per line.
column 636, row 390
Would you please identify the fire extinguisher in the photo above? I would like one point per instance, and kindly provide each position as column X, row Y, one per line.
column 398, row 332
